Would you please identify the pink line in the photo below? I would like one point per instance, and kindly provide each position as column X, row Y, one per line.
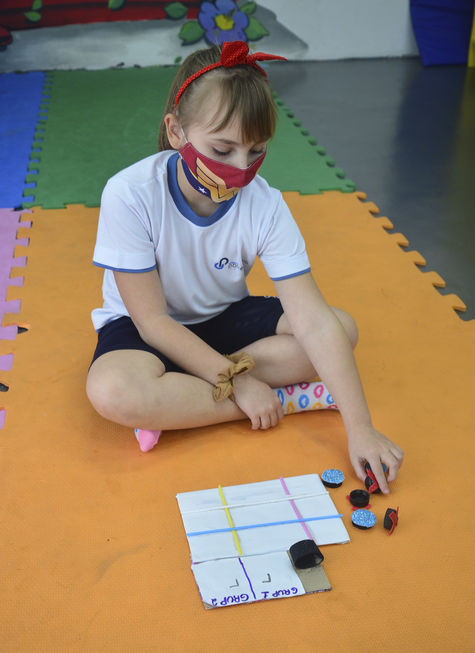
column 296, row 510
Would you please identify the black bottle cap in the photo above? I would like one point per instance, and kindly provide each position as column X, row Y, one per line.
column 371, row 484
column 370, row 481
column 359, row 498
column 391, row 519
column 305, row 554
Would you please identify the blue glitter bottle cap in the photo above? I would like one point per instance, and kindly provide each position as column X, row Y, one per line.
column 363, row 519
column 332, row 478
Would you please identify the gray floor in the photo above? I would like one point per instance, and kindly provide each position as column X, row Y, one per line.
column 405, row 135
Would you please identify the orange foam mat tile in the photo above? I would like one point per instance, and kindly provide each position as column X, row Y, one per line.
column 94, row 554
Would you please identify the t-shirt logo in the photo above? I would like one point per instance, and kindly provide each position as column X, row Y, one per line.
column 222, row 262
column 232, row 265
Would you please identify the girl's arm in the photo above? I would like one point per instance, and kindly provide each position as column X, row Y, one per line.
column 325, row 342
column 144, row 299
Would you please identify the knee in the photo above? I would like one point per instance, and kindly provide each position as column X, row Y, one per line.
column 349, row 325
column 113, row 399
column 351, row 329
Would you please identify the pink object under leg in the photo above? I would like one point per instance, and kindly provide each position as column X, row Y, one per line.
column 147, row 439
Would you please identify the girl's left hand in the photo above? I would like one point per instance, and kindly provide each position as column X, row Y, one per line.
column 368, row 444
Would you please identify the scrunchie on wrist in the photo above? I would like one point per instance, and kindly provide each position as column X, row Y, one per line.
column 242, row 363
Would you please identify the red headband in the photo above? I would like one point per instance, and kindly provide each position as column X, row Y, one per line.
column 234, row 53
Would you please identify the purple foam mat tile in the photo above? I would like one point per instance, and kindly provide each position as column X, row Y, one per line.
column 6, row 362
column 8, row 332
column 9, row 225
column 12, row 306
column 16, row 281
column 19, row 261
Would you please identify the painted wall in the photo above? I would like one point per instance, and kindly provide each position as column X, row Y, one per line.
column 348, row 29
column 296, row 29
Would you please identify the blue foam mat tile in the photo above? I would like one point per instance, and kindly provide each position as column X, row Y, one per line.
column 20, row 97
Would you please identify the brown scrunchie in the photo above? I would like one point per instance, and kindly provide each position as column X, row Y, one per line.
column 242, row 363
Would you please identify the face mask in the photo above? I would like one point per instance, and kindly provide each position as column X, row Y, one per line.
column 217, row 180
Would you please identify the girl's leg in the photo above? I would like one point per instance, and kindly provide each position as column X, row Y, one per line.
column 130, row 387
column 280, row 360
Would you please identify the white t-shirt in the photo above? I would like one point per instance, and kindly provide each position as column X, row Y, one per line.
column 145, row 224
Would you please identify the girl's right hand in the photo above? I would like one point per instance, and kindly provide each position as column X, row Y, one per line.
column 258, row 401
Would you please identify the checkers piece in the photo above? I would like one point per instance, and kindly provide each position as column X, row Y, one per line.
column 391, row 519
column 305, row 554
column 359, row 498
column 370, row 482
column 363, row 519
column 332, row 478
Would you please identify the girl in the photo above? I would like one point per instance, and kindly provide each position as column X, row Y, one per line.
column 178, row 233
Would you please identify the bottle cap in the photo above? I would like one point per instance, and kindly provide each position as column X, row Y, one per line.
column 363, row 519
column 332, row 478
column 359, row 498
column 305, row 554
column 391, row 519
column 370, row 482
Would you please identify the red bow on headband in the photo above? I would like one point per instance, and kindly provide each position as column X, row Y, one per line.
column 234, row 53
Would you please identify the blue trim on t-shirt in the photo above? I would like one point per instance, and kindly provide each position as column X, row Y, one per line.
column 183, row 206
column 289, row 276
column 109, row 267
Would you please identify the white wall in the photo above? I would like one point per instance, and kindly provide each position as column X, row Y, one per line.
column 346, row 29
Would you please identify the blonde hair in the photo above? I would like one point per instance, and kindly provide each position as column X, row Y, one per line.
column 243, row 94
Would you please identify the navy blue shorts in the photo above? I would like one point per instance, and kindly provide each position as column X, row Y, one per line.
column 242, row 323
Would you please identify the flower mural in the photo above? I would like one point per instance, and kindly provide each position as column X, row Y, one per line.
column 223, row 21
column 214, row 21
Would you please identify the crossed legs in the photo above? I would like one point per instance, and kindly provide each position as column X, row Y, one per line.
column 131, row 387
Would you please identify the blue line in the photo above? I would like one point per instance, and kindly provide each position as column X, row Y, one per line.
column 271, row 523
column 248, row 579
column 109, row 267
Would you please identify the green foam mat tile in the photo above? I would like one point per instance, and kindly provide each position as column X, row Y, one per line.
column 101, row 121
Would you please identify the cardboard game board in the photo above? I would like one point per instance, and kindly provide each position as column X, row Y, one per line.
column 239, row 537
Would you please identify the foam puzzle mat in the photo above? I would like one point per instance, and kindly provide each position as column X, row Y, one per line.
column 94, row 553
column 102, row 121
column 23, row 110
column 13, row 225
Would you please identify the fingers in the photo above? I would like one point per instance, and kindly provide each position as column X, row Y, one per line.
column 359, row 469
column 267, row 419
column 394, row 465
column 270, row 419
column 378, row 471
column 375, row 448
column 358, row 466
column 393, row 461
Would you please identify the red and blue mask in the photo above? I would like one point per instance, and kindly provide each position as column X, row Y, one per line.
column 215, row 179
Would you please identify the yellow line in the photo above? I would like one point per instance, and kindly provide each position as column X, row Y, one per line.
column 230, row 521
